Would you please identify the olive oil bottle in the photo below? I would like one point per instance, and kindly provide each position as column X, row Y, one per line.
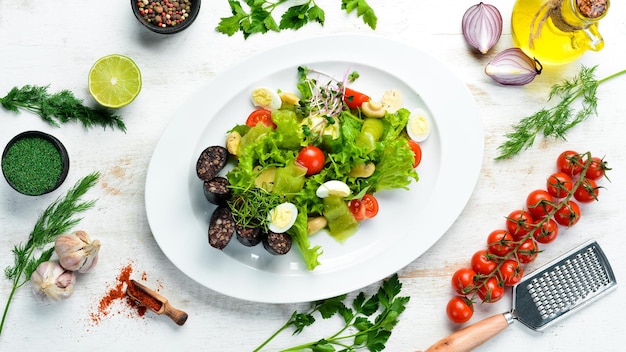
column 557, row 32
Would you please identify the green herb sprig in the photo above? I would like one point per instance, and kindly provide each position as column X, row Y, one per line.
column 60, row 107
column 370, row 334
column 258, row 18
column 56, row 219
column 557, row 120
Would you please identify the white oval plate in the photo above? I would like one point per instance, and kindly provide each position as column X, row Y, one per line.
column 409, row 222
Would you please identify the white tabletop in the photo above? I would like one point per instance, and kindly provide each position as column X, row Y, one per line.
column 46, row 42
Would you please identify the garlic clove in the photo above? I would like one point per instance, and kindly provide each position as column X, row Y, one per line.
column 51, row 282
column 76, row 251
column 513, row 67
column 482, row 26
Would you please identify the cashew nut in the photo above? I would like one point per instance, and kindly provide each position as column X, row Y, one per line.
column 232, row 142
column 373, row 109
column 362, row 170
column 289, row 98
column 315, row 224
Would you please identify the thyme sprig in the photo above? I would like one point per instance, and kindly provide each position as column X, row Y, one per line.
column 371, row 331
column 60, row 107
column 557, row 120
column 55, row 220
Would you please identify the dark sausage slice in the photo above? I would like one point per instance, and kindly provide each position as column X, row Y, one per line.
column 248, row 236
column 216, row 190
column 277, row 243
column 221, row 227
column 211, row 161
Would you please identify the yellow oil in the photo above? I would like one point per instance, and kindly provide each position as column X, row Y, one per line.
column 550, row 45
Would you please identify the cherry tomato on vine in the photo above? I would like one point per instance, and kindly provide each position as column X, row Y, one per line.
column 519, row 223
column 511, row 272
column 459, row 309
column 417, row 152
column 463, row 281
column 568, row 214
column 547, row 232
column 500, row 242
column 490, row 290
column 527, row 251
column 262, row 116
column 483, row 262
column 539, row 203
column 587, row 191
column 354, row 99
column 559, row 184
column 597, row 168
column 312, row 158
column 570, row 162
column 364, row 208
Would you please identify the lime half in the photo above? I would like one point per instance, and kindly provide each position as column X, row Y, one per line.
column 114, row 81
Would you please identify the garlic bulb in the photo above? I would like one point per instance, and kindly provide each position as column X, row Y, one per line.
column 76, row 252
column 51, row 282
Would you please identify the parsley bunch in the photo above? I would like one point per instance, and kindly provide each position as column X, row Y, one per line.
column 257, row 16
column 363, row 329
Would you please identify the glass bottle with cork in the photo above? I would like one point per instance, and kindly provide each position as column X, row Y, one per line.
column 557, row 32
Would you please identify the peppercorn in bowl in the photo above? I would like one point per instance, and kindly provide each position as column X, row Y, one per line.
column 166, row 16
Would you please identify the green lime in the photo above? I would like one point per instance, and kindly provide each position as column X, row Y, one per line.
column 114, row 81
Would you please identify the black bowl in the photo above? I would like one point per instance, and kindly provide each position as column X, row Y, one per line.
column 65, row 160
column 168, row 29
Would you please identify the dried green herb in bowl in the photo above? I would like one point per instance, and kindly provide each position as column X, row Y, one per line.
column 35, row 163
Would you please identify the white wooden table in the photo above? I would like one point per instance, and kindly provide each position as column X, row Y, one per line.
column 56, row 42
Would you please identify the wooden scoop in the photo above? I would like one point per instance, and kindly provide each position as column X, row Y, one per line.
column 154, row 301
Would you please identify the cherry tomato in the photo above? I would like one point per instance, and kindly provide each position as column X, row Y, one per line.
column 483, row 262
column 262, row 116
column 559, row 185
column 568, row 214
column 547, row 232
column 570, row 162
column 354, row 99
column 511, row 272
column 519, row 223
column 463, row 281
column 490, row 290
column 587, row 191
column 539, row 203
column 500, row 242
column 459, row 309
column 597, row 168
column 527, row 251
column 417, row 152
column 312, row 158
column 364, row 208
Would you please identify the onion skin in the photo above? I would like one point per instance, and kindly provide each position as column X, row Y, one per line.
column 482, row 26
column 512, row 67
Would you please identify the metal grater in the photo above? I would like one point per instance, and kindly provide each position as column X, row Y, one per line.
column 566, row 284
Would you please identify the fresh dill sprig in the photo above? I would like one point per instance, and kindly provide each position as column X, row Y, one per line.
column 362, row 329
column 60, row 107
column 557, row 120
column 56, row 219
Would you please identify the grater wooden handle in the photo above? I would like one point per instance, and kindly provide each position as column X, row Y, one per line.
column 473, row 335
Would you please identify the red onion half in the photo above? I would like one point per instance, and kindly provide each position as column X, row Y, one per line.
column 513, row 68
column 482, row 26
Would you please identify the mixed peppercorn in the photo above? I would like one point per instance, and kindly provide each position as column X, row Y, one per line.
column 164, row 13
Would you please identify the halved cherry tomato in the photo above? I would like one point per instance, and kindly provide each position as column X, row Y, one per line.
column 354, row 99
column 312, row 158
column 527, row 251
column 364, row 208
column 519, row 223
column 597, row 168
column 490, row 290
column 547, row 232
column 417, row 152
column 568, row 214
column 459, row 309
column 587, row 191
column 539, row 203
column 262, row 116
column 570, row 162
column 511, row 272
column 559, row 184
column 483, row 262
column 463, row 281
column 500, row 242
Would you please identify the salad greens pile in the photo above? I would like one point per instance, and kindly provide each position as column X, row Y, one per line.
column 348, row 138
